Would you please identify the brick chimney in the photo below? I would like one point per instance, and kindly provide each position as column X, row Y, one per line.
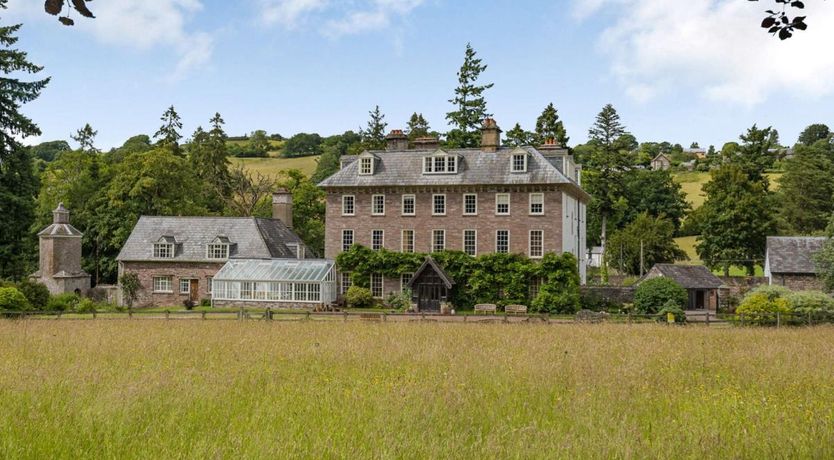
column 396, row 140
column 427, row 143
column 282, row 206
column 490, row 136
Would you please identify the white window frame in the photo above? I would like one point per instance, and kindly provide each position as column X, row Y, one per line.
column 530, row 206
column 428, row 165
column 366, row 166
column 211, row 251
column 381, row 239
column 530, row 244
column 157, row 284
column 465, row 212
column 513, row 165
column 381, row 281
column 345, row 231
column 158, row 250
column 374, row 211
column 352, row 205
column 413, row 241
column 187, row 285
column 413, row 199
column 509, row 201
column 434, row 234
column 404, row 279
column 475, row 250
column 498, row 232
column 209, row 283
column 440, row 163
column 434, row 204
column 345, row 282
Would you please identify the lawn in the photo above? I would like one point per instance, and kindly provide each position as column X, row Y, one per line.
column 273, row 166
column 692, row 182
column 192, row 389
column 687, row 243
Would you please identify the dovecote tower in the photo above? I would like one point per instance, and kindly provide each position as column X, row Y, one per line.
column 60, row 256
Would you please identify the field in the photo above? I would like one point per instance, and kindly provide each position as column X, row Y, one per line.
column 273, row 166
column 692, row 182
column 182, row 389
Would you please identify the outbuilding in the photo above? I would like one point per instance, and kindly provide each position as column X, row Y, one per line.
column 275, row 283
column 700, row 284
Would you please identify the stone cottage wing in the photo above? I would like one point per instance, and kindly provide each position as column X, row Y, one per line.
column 793, row 254
column 247, row 238
column 688, row 276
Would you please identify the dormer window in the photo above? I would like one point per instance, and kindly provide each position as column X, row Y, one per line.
column 218, row 249
column 440, row 163
column 366, row 166
column 519, row 162
column 164, row 248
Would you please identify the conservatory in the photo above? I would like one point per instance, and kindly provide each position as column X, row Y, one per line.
column 276, row 283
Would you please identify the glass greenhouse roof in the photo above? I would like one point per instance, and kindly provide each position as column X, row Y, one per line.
column 275, row 270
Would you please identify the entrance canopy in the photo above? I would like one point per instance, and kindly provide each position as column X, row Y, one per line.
column 430, row 266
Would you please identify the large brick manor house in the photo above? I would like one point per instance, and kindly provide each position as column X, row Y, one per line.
column 478, row 200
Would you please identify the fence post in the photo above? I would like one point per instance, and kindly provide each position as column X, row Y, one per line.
column 810, row 323
column 707, row 318
column 167, row 314
column 129, row 313
column 385, row 317
column 94, row 314
column 346, row 315
column 203, row 315
column 778, row 320
column 742, row 319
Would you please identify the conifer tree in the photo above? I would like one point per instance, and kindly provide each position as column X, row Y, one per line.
column 417, row 126
column 86, row 138
column 18, row 184
column 548, row 126
column 373, row 136
column 470, row 105
column 208, row 156
column 517, row 137
column 168, row 135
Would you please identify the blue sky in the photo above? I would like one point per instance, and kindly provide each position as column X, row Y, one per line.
column 682, row 71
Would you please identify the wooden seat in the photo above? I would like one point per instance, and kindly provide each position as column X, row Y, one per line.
column 486, row 308
column 515, row 309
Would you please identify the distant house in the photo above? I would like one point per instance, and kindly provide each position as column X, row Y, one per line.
column 176, row 258
column 661, row 162
column 789, row 262
column 701, row 285
column 697, row 152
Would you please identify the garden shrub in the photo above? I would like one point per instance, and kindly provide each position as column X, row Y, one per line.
column 36, row 293
column 205, row 302
column 63, row 302
column 11, row 299
column 761, row 306
column 810, row 302
column 399, row 300
column 673, row 308
column 654, row 294
column 85, row 305
column 359, row 297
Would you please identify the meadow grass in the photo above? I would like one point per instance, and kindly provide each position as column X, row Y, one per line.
column 692, row 183
column 273, row 166
column 183, row 389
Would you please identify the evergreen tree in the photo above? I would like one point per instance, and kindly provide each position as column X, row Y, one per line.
column 754, row 155
column 18, row 184
column 86, row 138
column 548, row 126
column 417, row 126
column 168, row 135
column 814, row 133
column 209, row 158
column 517, row 137
column 469, row 103
column 373, row 136
column 806, row 189
column 737, row 217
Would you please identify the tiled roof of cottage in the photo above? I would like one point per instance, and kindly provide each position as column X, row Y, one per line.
column 475, row 167
column 248, row 237
column 793, row 254
column 688, row 276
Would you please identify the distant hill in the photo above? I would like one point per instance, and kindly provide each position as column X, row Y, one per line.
column 691, row 183
column 273, row 166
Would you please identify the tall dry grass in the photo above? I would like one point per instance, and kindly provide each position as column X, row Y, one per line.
column 181, row 389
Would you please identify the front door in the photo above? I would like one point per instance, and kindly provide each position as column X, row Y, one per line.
column 700, row 300
column 430, row 291
column 194, row 292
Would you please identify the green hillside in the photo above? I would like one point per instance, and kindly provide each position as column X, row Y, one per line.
column 692, row 182
column 273, row 166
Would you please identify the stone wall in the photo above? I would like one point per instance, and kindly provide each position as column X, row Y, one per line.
column 799, row 282
column 613, row 295
column 146, row 271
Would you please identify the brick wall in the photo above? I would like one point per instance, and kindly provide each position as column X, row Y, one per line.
column 519, row 222
column 146, row 271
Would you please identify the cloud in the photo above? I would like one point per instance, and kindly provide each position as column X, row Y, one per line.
column 714, row 48
column 141, row 24
column 337, row 18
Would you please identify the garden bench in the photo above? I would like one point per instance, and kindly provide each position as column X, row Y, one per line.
column 515, row 309
column 486, row 308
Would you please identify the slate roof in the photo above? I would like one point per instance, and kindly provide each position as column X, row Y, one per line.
column 793, row 254
column 688, row 276
column 431, row 263
column 275, row 270
column 475, row 167
column 249, row 238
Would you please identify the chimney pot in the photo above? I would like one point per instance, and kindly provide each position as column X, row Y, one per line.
column 490, row 136
column 396, row 140
column 427, row 143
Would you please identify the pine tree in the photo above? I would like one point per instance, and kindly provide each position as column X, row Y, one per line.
column 373, row 136
column 517, row 137
column 417, row 126
column 548, row 126
column 209, row 157
column 168, row 134
column 86, row 138
column 469, row 103
column 18, row 184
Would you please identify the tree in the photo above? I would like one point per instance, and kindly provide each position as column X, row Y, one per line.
column 548, row 126
column 517, row 137
column 417, row 126
column 814, row 133
column 168, row 135
column 308, row 208
column 754, row 154
column 648, row 240
column 779, row 23
column 373, row 136
column 470, row 105
column 48, row 151
column 333, row 149
column 655, row 193
column 86, row 137
column 259, row 142
column 248, row 191
column 130, row 287
column 302, row 144
column 737, row 218
column 54, row 7
column 806, row 189
column 208, row 156
column 18, row 184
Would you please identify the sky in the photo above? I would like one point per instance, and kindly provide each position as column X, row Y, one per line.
column 676, row 70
